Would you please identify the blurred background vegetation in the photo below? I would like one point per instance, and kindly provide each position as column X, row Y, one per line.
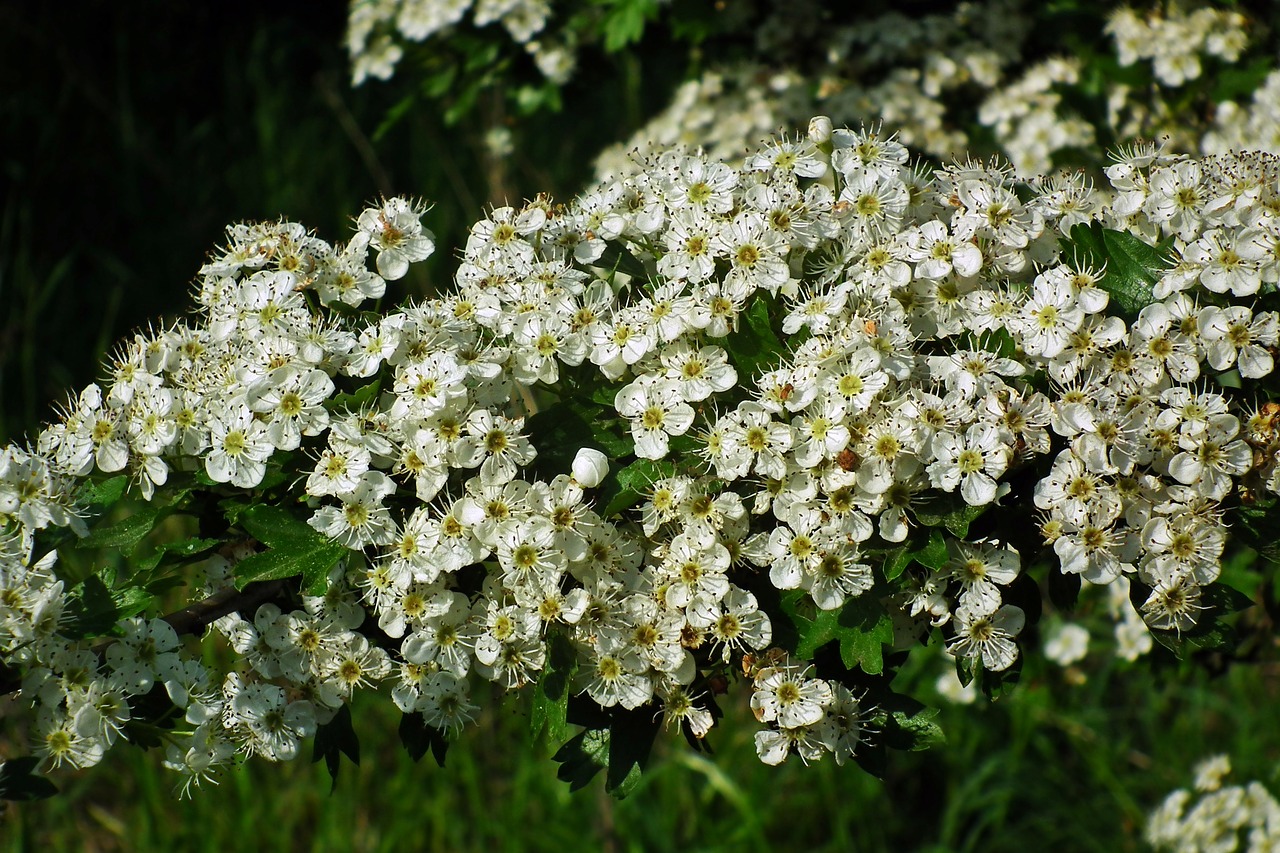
column 134, row 132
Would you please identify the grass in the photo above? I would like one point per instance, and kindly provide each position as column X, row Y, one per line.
column 1055, row 766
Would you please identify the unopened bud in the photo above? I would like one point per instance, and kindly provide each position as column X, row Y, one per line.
column 820, row 130
column 590, row 467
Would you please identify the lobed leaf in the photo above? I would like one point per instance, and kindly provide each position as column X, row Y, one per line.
column 294, row 549
column 335, row 739
column 1132, row 267
column 862, row 627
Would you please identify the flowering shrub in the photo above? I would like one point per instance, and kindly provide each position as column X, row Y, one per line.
column 1218, row 816
column 702, row 431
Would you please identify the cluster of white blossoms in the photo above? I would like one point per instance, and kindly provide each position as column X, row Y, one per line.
column 936, row 339
column 1215, row 816
column 909, row 72
column 1175, row 38
column 808, row 716
column 378, row 29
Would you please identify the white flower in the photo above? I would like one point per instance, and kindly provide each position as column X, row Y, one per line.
column 395, row 230
column 362, row 520
column 787, row 696
column 987, row 636
column 656, row 411
column 240, row 448
column 972, row 462
column 1068, row 644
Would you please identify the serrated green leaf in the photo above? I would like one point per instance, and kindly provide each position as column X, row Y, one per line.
column 1132, row 267
column 631, row 737
column 417, row 737
column 549, row 715
column 560, row 431
column 624, row 488
column 102, row 494
column 335, row 739
column 934, row 553
column 355, row 400
column 19, row 781
column 754, row 348
column 862, row 627
column 619, row 259
column 295, row 549
column 895, row 561
column 582, row 757
column 125, row 534
column 950, row 511
column 1255, row 525
column 177, row 552
column 916, row 731
column 93, row 607
column 625, row 22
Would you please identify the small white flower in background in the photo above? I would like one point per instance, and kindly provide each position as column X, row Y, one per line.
column 1215, row 816
column 1067, row 644
column 949, row 687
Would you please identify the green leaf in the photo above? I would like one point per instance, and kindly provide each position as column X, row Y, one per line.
column 20, row 782
column 625, row 21
column 93, row 607
column 560, row 432
column 895, row 561
column 1255, row 525
column 585, row 755
column 356, row 400
column 949, row 510
column 619, row 259
column 631, row 737
column 754, row 348
column 913, row 731
column 418, row 737
column 335, row 739
column 1235, row 81
column 177, row 552
column 934, row 554
column 549, row 716
column 862, row 627
column 624, row 488
column 1132, row 267
column 294, row 549
column 102, row 494
column 126, row 534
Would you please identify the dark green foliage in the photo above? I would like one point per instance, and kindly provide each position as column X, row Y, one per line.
column 335, row 739
column 293, row 549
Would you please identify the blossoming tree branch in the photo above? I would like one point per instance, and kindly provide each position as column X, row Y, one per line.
column 702, row 435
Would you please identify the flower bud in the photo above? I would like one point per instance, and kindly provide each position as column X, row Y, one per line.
column 820, row 130
column 590, row 467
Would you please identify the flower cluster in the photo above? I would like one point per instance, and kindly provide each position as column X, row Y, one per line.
column 812, row 372
column 809, row 716
column 377, row 30
column 944, row 79
column 1215, row 816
